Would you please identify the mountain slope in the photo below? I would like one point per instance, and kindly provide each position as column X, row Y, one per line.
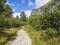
column 49, row 6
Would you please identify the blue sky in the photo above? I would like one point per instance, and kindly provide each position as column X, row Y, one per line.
column 25, row 5
column 19, row 5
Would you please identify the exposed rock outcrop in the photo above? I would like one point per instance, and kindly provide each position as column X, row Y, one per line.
column 49, row 6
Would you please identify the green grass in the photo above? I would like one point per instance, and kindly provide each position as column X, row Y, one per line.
column 11, row 31
column 2, row 39
column 36, row 35
column 7, row 33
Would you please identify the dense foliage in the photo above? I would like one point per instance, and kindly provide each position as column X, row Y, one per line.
column 23, row 18
column 49, row 21
column 6, row 18
column 7, row 22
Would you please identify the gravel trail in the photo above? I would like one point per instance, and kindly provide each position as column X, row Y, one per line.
column 22, row 38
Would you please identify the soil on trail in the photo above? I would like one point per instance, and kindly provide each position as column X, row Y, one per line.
column 22, row 38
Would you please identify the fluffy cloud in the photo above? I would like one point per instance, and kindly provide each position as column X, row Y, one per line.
column 28, row 13
column 40, row 3
column 30, row 3
column 16, row 14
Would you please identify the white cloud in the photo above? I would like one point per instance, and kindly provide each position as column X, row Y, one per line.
column 13, row 10
column 30, row 3
column 40, row 3
column 16, row 14
column 28, row 13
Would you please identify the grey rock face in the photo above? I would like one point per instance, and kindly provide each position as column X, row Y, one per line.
column 22, row 38
column 49, row 6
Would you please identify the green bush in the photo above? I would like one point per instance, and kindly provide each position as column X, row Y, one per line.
column 49, row 34
column 2, row 40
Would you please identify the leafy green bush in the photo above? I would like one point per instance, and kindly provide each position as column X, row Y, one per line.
column 51, row 18
column 49, row 34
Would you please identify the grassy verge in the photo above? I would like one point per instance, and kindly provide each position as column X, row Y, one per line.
column 36, row 36
column 8, row 35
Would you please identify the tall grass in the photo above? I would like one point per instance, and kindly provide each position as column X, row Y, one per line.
column 36, row 37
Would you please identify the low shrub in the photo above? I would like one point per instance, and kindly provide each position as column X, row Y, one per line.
column 48, row 34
